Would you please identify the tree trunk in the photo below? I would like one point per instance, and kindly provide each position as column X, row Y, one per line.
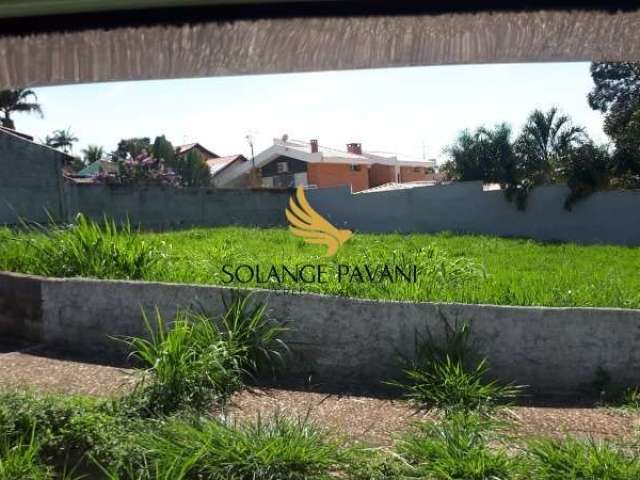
column 7, row 122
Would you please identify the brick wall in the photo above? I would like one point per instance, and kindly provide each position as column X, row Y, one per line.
column 409, row 174
column 335, row 174
column 381, row 174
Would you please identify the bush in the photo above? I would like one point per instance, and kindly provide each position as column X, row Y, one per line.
column 440, row 377
column 67, row 429
column 200, row 359
column 456, row 448
column 87, row 249
column 277, row 448
column 572, row 459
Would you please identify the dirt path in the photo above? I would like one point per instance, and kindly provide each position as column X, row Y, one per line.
column 371, row 420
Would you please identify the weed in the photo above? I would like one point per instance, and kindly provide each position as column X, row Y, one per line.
column 276, row 448
column 200, row 359
column 86, row 249
column 456, row 448
column 439, row 376
column 572, row 459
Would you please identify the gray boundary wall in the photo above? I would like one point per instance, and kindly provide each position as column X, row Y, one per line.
column 335, row 339
column 604, row 217
column 31, row 184
column 168, row 207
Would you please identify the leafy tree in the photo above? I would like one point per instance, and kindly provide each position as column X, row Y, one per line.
column 547, row 138
column 485, row 154
column 192, row 170
column 616, row 93
column 92, row 153
column 62, row 139
column 130, row 148
column 162, row 149
column 17, row 101
column 586, row 170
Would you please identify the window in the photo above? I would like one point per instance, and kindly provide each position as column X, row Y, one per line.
column 283, row 167
column 355, row 168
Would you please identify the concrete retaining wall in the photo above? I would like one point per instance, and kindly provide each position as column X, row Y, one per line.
column 334, row 339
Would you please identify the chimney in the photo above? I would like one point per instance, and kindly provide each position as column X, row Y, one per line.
column 314, row 146
column 354, row 148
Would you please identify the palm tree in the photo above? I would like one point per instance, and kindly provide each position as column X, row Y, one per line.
column 92, row 153
column 546, row 140
column 18, row 101
column 62, row 139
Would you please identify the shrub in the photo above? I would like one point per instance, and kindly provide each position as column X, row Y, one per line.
column 276, row 448
column 572, row 459
column 87, row 249
column 67, row 428
column 456, row 448
column 440, row 377
column 201, row 359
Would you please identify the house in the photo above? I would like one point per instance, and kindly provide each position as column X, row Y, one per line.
column 183, row 150
column 98, row 167
column 290, row 163
column 219, row 164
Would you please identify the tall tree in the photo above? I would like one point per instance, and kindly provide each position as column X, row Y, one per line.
column 616, row 93
column 193, row 170
column 17, row 101
column 129, row 148
column 62, row 139
column 547, row 138
column 163, row 150
column 92, row 153
column 484, row 154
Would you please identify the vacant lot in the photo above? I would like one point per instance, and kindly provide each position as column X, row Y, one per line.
column 450, row 268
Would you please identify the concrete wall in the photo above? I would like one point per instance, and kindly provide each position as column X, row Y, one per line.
column 334, row 339
column 604, row 217
column 30, row 180
column 167, row 207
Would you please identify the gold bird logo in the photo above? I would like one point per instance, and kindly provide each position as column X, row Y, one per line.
column 313, row 227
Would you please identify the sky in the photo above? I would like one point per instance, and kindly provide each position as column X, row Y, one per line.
column 414, row 111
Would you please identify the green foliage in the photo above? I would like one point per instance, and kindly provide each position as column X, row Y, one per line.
column 451, row 268
column 276, row 448
column 586, row 169
column 200, row 359
column 62, row 139
column 68, row 429
column 440, row 377
column 17, row 101
column 163, row 150
column 92, row 153
column 87, row 249
column 192, row 170
column 485, row 155
column 616, row 93
column 456, row 448
column 130, row 148
column 572, row 459
column 19, row 460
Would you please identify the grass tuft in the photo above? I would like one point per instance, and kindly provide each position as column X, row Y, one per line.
column 199, row 359
column 571, row 459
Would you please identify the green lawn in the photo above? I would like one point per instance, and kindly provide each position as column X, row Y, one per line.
column 451, row 268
